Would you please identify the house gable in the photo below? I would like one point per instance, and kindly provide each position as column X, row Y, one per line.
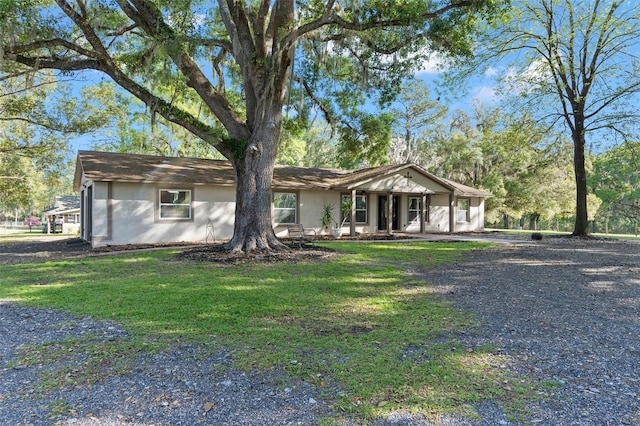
column 405, row 181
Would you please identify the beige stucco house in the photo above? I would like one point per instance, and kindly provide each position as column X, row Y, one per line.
column 129, row 199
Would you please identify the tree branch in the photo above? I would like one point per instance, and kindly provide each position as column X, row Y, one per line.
column 150, row 19
column 330, row 18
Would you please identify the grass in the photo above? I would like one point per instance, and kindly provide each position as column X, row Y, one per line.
column 527, row 232
column 359, row 323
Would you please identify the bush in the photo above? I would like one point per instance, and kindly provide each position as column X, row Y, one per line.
column 32, row 221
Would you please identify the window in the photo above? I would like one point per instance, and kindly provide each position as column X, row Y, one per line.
column 360, row 208
column 463, row 210
column 414, row 209
column 175, row 204
column 284, row 207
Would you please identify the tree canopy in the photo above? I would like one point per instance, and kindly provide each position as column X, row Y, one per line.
column 232, row 73
column 571, row 63
column 616, row 181
column 38, row 116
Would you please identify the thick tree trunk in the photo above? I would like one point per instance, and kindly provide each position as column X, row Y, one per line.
column 581, row 227
column 253, row 228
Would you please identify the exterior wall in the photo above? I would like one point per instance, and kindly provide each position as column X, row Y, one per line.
column 438, row 213
column 71, row 223
column 126, row 213
column 310, row 208
column 101, row 234
column 476, row 217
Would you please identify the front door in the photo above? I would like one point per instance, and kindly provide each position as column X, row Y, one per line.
column 383, row 208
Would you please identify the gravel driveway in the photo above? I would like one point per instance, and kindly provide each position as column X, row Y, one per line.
column 561, row 311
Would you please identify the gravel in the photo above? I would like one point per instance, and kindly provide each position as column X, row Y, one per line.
column 560, row 311
column 186, row 385
column 564, row 311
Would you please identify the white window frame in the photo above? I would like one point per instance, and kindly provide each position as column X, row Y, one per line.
column 364, row 198
column 175, row 191
column 285, row 212
column 417, row 212
column 463, row 215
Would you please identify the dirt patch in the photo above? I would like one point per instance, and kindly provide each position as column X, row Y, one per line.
column 217, row 254
column 42, row 248
column 52, row 248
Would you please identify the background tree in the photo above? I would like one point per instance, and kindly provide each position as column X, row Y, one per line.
column 616, row 181
column 513, row 157
column 39, row 114
column 134, row 129
column 415, row 116
column 572, row 63
column 233, row 61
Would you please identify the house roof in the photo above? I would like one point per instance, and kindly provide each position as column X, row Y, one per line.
column 108, row 166
column 64, row 204
column 466, row 191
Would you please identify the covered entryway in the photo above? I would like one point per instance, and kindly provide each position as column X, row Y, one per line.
column 383, row 213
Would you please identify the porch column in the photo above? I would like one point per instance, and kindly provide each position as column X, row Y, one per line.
column 423, row 213
column 390, row 213
column 452, row 213
column 352, row 221
column 82, row 214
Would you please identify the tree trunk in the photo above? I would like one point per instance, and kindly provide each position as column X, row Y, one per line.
column 581, row 227
column 505, row 221
column 533, row 221
column 253, row 227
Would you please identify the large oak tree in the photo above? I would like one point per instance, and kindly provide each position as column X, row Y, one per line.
column 235, row 59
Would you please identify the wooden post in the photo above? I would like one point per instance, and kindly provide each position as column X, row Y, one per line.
column 452, row 213
column 423, row 213
column 352, row 221
column 390, row 213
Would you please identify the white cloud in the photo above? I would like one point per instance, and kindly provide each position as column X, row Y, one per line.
column 436, row 64
column 485, row 94
column 492, row 72
column 523, row 81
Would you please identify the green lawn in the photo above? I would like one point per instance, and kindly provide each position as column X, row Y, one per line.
column 358, row 321
column 527, row 233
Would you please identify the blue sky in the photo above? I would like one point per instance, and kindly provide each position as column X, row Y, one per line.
column 481, row 90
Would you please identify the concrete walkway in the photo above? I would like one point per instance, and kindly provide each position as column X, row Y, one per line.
column 489, row 237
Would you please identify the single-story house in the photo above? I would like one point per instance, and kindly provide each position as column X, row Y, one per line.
column 128, row 199
column 63, row 216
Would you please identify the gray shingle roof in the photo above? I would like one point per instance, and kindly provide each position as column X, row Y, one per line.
column 108, row 166
column 64, row 204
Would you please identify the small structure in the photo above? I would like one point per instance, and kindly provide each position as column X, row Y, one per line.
column 129, row 199
column 63, row 216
